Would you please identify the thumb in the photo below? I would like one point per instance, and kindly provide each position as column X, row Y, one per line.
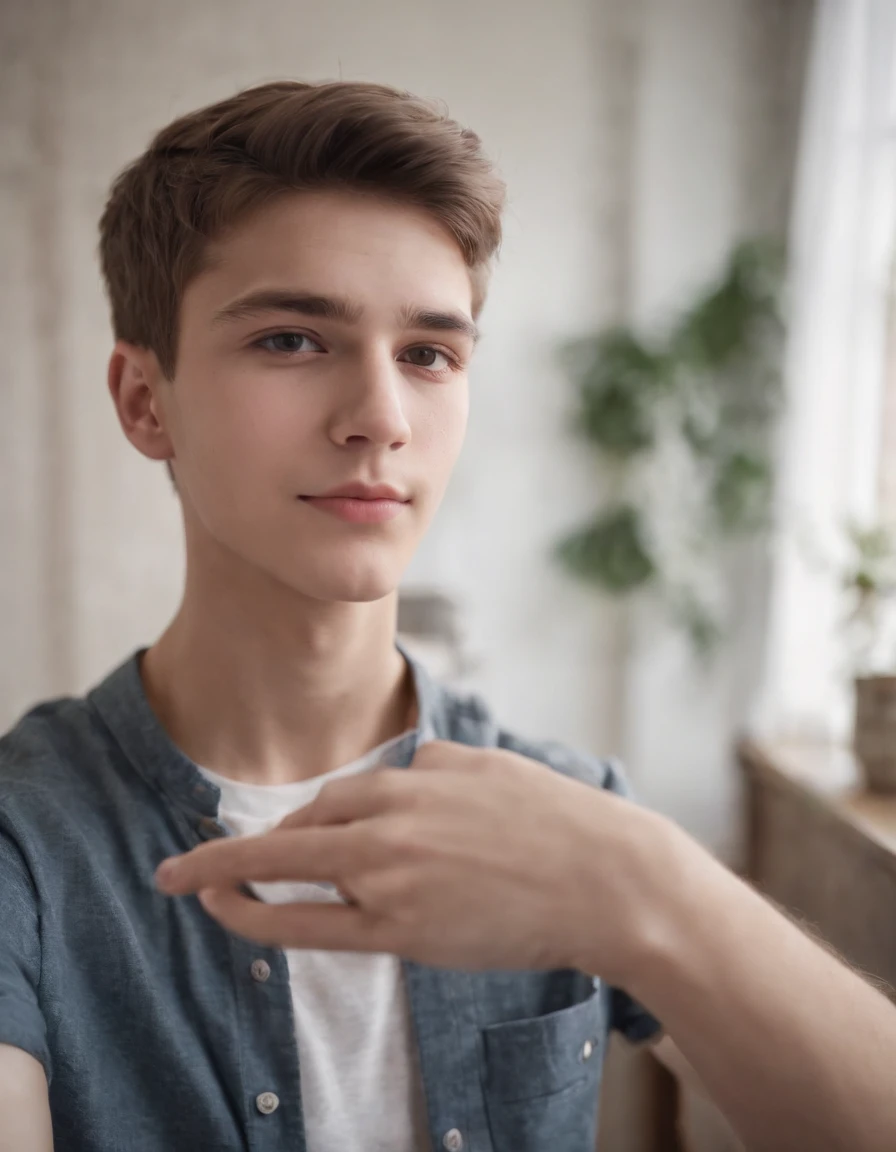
column 342, row 801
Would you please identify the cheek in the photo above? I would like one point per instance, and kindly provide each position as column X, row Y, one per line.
column 244, row 426
column 440, row 435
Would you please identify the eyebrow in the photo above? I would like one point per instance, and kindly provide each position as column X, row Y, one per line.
column 435, row 321
column 338, row 309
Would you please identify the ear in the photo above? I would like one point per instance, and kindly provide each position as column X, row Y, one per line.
column 135, row 383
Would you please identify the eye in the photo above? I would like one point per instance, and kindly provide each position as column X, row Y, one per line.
column 288, row 343
column 432, row 359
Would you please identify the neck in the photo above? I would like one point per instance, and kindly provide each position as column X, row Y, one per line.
column 265, row 686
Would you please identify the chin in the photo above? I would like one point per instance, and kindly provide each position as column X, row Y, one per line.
column 354, row 591
column 346, row 579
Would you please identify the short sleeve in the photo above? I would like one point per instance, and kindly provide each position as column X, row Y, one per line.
column 630, row 1018
column 22, row 1023
column 616, row 779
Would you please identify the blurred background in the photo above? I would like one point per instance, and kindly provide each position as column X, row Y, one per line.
column 670, row 524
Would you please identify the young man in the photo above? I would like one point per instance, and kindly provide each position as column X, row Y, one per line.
column 295, row 276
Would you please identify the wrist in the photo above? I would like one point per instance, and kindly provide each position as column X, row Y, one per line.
column 687, row 900
column 663, row 891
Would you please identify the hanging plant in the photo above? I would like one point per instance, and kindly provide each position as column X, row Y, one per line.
column 683, row 425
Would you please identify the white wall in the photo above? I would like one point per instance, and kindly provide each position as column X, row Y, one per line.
column 714, row 150
column 628, row 134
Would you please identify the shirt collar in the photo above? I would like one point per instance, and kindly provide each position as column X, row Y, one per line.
column 121, row 702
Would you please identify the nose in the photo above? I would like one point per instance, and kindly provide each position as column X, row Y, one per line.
column 371, row 412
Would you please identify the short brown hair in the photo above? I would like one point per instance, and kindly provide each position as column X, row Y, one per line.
column 209, row 169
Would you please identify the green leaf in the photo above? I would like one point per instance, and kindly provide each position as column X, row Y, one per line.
column 619, row 380
column 719, row 327
column 617, row 420
column 874, row 543
column 872, row 566
column 610, row 552
column 741, row 492
column 704, row 630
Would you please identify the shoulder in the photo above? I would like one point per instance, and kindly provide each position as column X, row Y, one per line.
column 600, row 772
column 467, row 719
column 44, row 750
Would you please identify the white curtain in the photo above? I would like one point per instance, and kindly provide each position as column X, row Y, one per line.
column 841, row 257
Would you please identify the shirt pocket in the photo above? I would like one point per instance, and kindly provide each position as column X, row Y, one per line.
column 542, row 1077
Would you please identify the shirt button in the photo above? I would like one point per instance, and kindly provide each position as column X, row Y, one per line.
column 210, row 828
column 260, row 970
column 587, row 1050
column 267, row 1102
column 453, row 1141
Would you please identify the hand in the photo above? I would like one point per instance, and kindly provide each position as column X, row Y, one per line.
column 472, row 858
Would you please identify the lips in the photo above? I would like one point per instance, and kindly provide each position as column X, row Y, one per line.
column 360, row 503
column 361, row 492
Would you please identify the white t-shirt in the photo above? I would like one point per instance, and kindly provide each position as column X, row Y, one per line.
column 361, row 1086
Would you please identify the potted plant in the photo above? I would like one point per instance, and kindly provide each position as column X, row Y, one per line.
column 869, row 582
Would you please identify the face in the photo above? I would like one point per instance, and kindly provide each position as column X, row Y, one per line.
column 320, row 396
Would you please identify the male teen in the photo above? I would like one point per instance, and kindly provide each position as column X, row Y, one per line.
column 295, row 276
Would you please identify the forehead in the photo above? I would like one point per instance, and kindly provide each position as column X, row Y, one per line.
column 380, row 253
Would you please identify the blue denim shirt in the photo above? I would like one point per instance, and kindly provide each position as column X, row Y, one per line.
column 154, row 1035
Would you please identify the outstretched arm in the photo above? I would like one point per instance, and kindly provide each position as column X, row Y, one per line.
column 535, row 870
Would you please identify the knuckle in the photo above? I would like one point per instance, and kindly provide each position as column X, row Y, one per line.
column 387, row 786
column 432, row 751
column 390, row 888
column 324, row 802
column 402, row 839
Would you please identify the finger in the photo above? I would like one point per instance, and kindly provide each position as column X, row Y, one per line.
column 327, row 927
column 446, row 755
column 311, row 854
column 349, row 800
column 377, row 793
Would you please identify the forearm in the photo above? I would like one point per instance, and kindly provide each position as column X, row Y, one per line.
column 796, row 1049
column 793, row 1047
column 25, row 1124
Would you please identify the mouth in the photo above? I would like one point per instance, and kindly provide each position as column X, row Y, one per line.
column 360, row 503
